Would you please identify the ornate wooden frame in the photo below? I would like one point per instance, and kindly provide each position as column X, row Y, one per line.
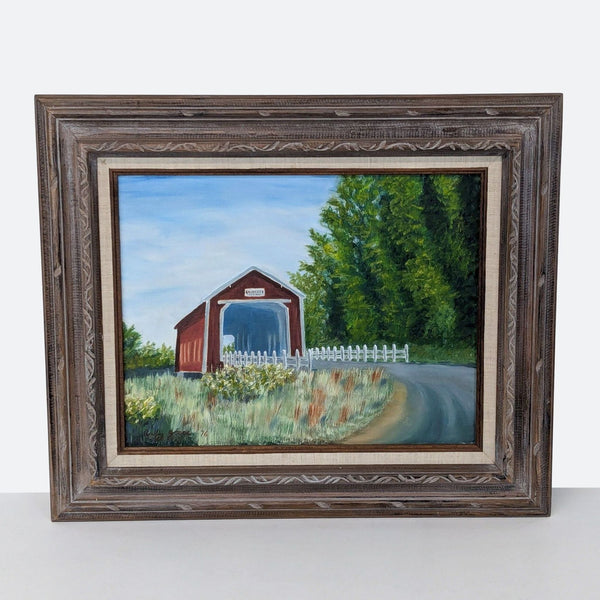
column 74, row 132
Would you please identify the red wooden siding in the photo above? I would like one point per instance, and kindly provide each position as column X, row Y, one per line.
column 190, row 330
column 273, row 291
column 190, row 342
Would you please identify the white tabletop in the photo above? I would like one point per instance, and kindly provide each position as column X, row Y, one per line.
column 417, row 559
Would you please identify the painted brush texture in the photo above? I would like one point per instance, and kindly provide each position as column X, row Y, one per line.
column 396, row 258
column 316, row 407
column 380, row 259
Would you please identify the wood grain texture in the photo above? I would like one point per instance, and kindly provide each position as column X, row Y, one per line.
column 74, row 131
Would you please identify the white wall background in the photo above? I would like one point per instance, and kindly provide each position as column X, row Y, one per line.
column 309, row 47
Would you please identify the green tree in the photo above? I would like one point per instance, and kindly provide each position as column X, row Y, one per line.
column 397, row 261
column 351, row 218
column 317, row 278
column 147, row 355
column 132, row 346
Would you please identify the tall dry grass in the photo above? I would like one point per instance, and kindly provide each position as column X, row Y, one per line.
column 317, row 407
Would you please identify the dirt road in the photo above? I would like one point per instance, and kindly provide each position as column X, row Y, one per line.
column 439, row 407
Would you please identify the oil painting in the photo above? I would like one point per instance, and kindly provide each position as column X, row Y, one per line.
column 299, row 309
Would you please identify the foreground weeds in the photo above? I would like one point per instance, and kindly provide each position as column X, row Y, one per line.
column 253, row 408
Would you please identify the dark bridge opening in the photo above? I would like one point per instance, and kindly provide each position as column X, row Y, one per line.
column 255, row 327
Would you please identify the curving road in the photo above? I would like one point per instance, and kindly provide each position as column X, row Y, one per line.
column 440, row 403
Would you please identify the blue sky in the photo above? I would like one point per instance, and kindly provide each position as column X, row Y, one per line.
column 182, row 236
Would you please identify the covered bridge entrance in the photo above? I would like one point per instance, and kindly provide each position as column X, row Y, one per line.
column 254, row 312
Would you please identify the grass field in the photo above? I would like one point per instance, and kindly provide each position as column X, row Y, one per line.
column 456, row 355
column 279, row 408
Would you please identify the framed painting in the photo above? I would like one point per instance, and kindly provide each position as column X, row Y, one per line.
column 299, row 306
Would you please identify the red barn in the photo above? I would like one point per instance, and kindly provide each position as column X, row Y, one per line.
column 253, row 312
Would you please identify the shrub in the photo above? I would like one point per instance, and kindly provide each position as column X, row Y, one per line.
column 246, row 383
column 138, row 410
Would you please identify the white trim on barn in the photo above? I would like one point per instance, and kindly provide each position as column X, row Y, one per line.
column 212, row 349
column 272, row 300
column 205, row 340
column 233, row 280
column 302, row 331
column 282, row 302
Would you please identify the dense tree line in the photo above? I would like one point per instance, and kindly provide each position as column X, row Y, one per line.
column 396, row 261
column 137, row 354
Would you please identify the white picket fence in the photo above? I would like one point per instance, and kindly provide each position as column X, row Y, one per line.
column 296, row 361
column 289, row 361
column 361, row 354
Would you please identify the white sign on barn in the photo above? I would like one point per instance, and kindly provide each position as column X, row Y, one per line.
column 254, row 292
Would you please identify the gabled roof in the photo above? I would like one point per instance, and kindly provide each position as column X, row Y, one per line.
column 191, row 316
column 237, row 278
column 244, row 273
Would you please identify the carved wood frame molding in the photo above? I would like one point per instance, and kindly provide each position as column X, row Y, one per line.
column 74, row 131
